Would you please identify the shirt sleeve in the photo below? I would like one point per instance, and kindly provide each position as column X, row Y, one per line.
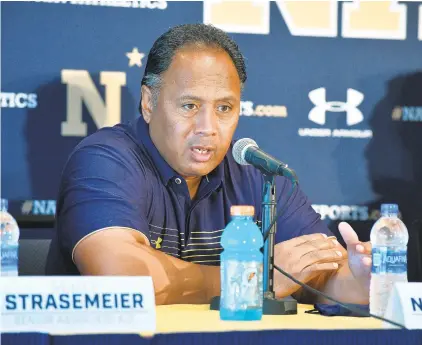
column 102, row 186
column 298, row 217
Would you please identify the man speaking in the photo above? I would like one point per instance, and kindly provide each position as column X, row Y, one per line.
column 152, row 197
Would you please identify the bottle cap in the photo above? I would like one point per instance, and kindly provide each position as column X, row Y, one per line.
column 4, row 205
column 389, row 209
column 242, row 210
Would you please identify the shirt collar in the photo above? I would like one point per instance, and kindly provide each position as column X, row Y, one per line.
column 166, row 172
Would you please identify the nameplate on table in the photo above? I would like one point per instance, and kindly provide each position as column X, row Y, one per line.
column 77, row 304
column 405, row 305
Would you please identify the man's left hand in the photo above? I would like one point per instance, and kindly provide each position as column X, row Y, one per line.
column 359, row 254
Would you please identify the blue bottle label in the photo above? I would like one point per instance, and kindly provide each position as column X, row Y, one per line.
column 9, row 256
column 389, row 260
column 241, row 285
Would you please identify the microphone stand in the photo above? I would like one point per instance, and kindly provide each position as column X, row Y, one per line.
column 271, row 305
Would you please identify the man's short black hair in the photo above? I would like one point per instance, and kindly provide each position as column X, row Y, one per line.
column 201, row 35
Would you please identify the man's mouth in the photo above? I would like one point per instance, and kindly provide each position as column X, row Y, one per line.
column 202, row 154
column 201, row 151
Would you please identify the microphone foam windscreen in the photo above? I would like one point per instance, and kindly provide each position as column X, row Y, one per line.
column 239, row 150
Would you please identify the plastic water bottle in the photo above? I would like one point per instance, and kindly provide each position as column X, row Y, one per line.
column 389, row 239
column 9, row 241
column 241, row 267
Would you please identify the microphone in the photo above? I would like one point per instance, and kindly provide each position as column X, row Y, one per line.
column 246, row 152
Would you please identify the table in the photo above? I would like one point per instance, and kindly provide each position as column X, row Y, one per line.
column 196, row 324
column 202, row 319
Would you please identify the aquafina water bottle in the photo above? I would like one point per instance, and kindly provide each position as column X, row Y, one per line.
column 9, row 241
column 389, row 239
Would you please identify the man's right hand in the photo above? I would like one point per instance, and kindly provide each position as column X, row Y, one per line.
column 305, row 258
column 126, row 252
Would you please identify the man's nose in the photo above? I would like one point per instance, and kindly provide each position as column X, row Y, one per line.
column 206, row 122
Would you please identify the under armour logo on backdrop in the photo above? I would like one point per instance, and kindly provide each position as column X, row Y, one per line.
column 354, row 99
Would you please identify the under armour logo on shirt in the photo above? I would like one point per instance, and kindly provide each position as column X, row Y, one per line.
column 318, row 113
column 158, row 243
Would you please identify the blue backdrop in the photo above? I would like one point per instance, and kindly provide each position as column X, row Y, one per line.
column 334, row 89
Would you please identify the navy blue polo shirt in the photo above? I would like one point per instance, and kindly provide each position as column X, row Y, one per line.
column 117, row 178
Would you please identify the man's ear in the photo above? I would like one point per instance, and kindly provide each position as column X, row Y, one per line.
column 147, row 103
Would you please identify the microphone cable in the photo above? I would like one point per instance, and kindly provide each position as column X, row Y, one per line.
column 352, row 309
column 311, row 289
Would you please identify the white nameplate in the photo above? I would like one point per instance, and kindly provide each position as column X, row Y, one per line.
column 77, row 305
column 405, row 305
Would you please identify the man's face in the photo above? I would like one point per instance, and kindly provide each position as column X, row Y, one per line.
column 197, row 111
